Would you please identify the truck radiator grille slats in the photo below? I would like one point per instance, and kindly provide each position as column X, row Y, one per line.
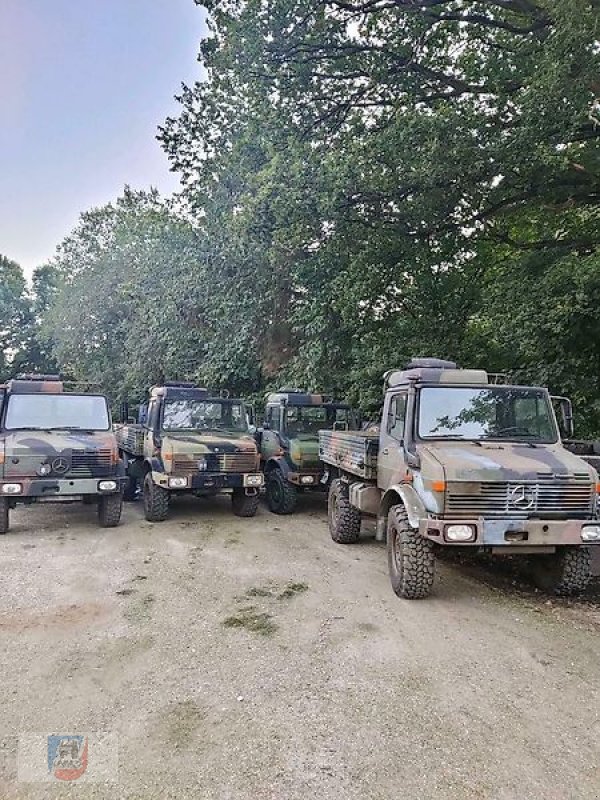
column 566, row 498
column 216, row 462
column 97, row 464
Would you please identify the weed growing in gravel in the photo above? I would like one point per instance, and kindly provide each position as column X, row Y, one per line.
column 292, row 589
column 253, row 620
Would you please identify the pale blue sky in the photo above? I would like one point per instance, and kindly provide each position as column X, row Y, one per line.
column 83, row 86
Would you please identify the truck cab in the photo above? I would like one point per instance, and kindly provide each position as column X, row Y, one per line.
column 289, row 443
column 191, row 441
column 57, row 446
column 461, row 460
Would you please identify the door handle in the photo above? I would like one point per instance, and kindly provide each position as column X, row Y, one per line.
column 385, row 451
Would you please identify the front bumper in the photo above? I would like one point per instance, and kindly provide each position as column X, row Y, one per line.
column 42, row 488
column 213, row 481
column 513, row 533
column 307, row 480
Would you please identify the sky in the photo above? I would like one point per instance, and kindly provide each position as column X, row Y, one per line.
column 83, row 86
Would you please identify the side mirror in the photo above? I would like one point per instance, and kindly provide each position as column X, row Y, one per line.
column 565, row 409
column 124, row 412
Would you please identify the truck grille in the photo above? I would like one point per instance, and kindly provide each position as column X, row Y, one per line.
column 91, row 463
column 565, row 498
column 217, row 462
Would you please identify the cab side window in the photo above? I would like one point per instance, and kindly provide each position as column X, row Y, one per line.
column 396, row 417
column 153, row 412
column 272, row 417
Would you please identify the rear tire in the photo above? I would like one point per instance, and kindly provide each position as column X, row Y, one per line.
column 565, row 573
column 411, row 560
column 344, row 519
column 281, row 495
column 244, row 505
column 4, row 516
column 109, row 510
column 156, row 501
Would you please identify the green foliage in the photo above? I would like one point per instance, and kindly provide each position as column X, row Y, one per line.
column 364, row 182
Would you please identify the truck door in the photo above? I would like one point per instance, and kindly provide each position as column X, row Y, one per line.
column 270, row 444
column 151, row 432
column 391, row 466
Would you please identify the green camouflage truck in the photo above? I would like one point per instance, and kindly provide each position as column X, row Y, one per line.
column 191, row 442
column 289, row 443
column 57, row 446
column 460, row 460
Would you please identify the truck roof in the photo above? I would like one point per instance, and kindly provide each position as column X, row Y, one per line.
column 35, row 384
column 435, row 370
column 175, row 390
column 300, row 397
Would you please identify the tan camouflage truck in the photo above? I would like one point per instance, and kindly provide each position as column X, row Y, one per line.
column 191, row 442
column 461, row 461
column 57, row 446
column 289, row 443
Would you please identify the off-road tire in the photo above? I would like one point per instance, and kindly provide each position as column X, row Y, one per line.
column 4, row 515
column 156, row 501
column 281, row 495
column 411, row 559
column 565, row 573
column 109, row 510
column 244, row 505
column 344, row 519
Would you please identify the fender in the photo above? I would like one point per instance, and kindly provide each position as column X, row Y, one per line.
column 277, row 462
column 413, row 504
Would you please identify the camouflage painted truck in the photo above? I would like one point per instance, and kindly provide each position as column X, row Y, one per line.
column 462, row 461
column 57, row 446
column 289, row 443
column 191, row 443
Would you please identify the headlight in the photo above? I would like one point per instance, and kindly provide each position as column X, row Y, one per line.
column 459, row 533
column 107, row 486
column 307, row 479
column 202, row 465
column 177, row 483
column 253, row 480
column 591, row 533
column 12, row 488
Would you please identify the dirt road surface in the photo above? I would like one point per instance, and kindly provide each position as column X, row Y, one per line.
column 256, row 660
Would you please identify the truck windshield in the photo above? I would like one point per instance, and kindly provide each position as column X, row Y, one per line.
column 57, row 411
column 499, row 413
column 312, row 419
column 201, row 415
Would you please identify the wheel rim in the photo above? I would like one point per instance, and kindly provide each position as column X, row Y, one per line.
column 396, row 552
column 335, row 510
column 276, row 492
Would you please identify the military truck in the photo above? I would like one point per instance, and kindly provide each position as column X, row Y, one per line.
column 57, row 446
column 462, row 461
column 289, row 443
column 191, row 442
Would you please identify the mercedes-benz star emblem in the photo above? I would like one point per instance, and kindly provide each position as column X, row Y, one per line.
column 60, row 465
column 522, row 497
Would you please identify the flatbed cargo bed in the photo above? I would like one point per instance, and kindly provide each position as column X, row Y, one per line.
column 130, row 438
column 351, row 451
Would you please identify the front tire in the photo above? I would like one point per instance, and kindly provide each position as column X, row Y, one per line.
column 344, row 519
column 244, row 505
column 411, row 560
column 156, row 501
column 4, row 516
column 566, row 573
column 281, row 495
column 109, row 510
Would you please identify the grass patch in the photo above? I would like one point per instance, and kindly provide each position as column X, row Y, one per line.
column 259, row 591
column 252, row 620
column 293, row 589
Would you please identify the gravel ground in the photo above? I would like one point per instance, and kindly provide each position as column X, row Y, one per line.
column 247, row 659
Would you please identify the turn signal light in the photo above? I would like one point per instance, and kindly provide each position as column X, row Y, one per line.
column 439, row 486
